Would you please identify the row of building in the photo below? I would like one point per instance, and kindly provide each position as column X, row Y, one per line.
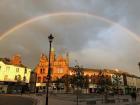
column 16, row 77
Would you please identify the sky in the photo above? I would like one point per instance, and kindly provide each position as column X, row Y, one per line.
column 97, row 33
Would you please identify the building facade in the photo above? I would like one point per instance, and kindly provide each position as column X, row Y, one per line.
column 59, row 67
column 13, row 73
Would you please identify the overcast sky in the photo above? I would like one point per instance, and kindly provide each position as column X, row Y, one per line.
column 91, row 39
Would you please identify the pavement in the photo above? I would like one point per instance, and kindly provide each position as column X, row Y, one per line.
column 7, row 99
column 62, row 99
column 69, row 99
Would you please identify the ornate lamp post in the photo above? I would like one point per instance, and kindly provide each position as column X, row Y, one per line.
column 49, row 68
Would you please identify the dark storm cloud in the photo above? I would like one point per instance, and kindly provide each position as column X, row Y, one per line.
column 91, row 41
column 72, row 33
column 22, row 10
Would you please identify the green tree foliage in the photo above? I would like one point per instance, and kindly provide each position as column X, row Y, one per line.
column 116, row 82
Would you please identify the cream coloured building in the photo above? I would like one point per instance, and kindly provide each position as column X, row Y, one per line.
column 131, row 81
column 12, row 71
column 138, row 83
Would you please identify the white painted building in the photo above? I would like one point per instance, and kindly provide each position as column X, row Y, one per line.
column 13, row 72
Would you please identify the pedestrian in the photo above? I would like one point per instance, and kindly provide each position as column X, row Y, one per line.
column 133, row 96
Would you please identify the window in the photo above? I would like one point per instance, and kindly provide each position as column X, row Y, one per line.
column 7, row 68
column 17, row 69
column 25, row 70
column 15, row 77
column 24, row 78
column 0, row 67
column 44, row 79
column 18, row 77
column 60, row 70
column 38, row 79
column 42, row 70
column 6, row 77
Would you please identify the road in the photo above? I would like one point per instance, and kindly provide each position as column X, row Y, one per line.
column 15, row 100
column 69, row 99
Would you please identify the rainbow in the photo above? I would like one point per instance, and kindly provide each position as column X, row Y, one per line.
column 133, row 35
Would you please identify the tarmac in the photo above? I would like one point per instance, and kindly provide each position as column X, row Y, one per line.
column 70, row 99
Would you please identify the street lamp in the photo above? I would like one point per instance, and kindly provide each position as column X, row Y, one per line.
column 50, row 37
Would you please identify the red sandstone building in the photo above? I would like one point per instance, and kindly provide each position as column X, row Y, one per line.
column 59, row 67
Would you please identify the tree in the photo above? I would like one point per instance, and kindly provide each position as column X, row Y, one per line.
column 117, row 82
column 79, row 79
column 86, row 82
column 66, row 79
column 104, row 83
